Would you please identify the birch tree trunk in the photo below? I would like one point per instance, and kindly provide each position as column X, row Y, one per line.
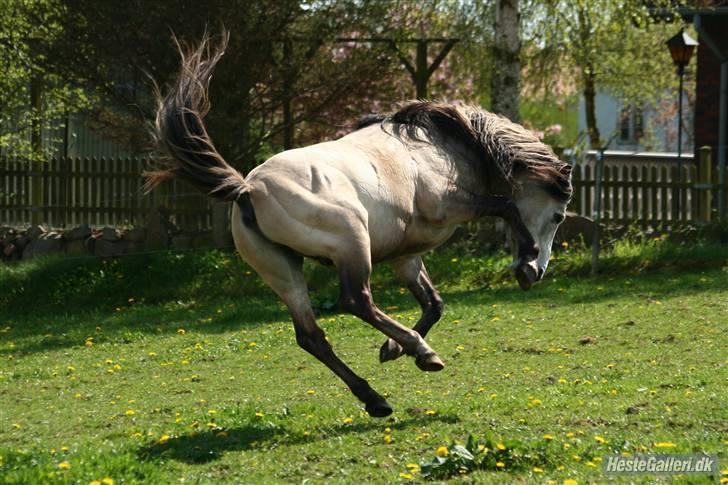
column 506, row 81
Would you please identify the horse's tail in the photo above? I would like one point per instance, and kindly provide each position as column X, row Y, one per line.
column 180, row 131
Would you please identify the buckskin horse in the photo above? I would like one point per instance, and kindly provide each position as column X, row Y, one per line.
column 393, row 189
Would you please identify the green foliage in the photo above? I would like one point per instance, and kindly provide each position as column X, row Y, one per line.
column 29, row 32
column 617, row 46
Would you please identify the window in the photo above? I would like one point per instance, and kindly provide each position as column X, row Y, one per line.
column 631, row 125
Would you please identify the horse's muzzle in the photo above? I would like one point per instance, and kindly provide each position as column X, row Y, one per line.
column 527, row 274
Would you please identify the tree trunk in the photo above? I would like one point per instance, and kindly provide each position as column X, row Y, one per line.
column 506, row 80
column 589, row 105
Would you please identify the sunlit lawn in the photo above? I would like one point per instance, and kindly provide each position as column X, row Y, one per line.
column 151, row 370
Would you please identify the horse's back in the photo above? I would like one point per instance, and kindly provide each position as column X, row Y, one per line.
column 318, row 198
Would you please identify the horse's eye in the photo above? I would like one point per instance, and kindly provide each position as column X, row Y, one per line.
column 558, row 218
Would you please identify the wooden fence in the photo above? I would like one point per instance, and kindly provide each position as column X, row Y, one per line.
column 637, row 188
column 643, row 189
column 97, row 191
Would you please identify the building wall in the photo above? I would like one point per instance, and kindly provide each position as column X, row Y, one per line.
column 707, row 108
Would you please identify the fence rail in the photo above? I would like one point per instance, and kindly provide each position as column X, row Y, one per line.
column 96, row 191
column 637, row 188
column 643, row 189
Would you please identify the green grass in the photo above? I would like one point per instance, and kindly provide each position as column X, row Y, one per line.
column 183, row 366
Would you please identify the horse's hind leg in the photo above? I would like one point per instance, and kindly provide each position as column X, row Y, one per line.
column 412, row 273
column 283, row 272
column 356, row 298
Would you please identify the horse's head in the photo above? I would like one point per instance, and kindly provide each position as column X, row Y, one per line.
column 541, row 211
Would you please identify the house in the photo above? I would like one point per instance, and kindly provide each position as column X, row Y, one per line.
column 639, row 128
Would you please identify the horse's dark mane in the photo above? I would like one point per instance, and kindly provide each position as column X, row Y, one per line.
column 368, row 120
column 508, row 149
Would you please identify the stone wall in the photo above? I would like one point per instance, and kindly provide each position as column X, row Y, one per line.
column 160, row 233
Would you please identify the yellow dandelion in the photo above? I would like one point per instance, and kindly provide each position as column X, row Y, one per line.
column 570, row 434
column 535, row 402
column 500, row 464
column 64, row 465
column 537, row 470
column 406, row 476
column 130, row 412
column 500, row 446
column 163, row 439
column 548, row 437
column 107, row 481
column 348, row 420
column 259, row 414
column 310, row 392
column 252, row 344
column 387, row 438
column 665, row 444
column 570, row 481
column 562, row 381
column 600, row 440
column 413, row 467
column 94, row 482
column 430, row 412
column 442, row 451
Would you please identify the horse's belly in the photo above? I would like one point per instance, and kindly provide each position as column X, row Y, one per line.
column 418, row 238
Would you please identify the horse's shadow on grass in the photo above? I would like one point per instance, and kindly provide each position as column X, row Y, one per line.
column 206, row 446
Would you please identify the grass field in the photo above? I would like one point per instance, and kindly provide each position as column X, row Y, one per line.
column 182, row 367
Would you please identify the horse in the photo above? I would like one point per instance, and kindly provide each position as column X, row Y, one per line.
column 390, row 191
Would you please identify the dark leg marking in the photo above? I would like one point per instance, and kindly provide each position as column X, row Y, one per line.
column 413, row 273
column 311, row 338
column 356, row 299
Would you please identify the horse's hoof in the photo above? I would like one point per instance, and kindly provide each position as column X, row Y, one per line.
column 390, row 350
column 429, row 362
column 379, row 409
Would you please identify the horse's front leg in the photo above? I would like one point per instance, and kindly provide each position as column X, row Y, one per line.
column 356, row 298
column 412, row 273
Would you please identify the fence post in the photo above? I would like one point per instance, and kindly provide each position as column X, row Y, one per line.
column 705, row 177
column 221, row 224
column 36, row 165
